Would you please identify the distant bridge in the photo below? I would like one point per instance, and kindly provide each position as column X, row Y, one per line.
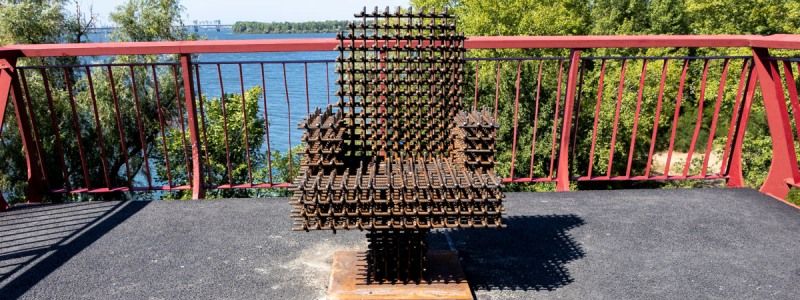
column 195, row 26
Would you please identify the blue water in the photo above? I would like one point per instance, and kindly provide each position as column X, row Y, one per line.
column 282, row 123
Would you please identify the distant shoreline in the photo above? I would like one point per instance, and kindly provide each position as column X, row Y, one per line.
column 251, row 27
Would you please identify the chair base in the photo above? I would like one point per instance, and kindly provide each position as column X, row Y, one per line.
column 445, row 279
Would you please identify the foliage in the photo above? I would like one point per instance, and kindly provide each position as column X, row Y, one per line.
column 25, row 22
column 149, row 20
column 48, row 22
column 79, row 23
column 229, row 114
column 794, row 196
column 31, row 22
column 573, row 17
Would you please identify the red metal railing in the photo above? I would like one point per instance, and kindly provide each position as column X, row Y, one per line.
column 149, row 126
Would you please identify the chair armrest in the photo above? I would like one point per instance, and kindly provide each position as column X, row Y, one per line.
column 324, row 138
column 474, row 138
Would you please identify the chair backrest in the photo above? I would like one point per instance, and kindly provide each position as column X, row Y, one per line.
column 399, row 83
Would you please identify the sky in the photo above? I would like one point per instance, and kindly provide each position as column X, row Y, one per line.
column 229, row 11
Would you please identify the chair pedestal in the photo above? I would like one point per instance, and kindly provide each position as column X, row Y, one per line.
column 444, row 279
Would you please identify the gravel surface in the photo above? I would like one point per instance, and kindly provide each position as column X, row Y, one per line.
column 626, row 244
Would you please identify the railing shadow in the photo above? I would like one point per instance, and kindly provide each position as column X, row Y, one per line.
column 530, row 254
column 37, row 240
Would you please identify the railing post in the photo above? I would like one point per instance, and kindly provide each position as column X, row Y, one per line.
column 194, row 132
column 735, row 170
column 9, row 87
column 563, row 174
column 783, row 168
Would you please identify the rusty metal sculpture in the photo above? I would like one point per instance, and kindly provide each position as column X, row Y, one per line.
column 396, row 156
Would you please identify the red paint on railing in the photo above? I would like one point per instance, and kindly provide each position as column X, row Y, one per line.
column 700, row 103
column 620, row 92
column 562, row 182
column 783, row 169
column 715, row 117
column 516, row 118
column 600, row 87
column 639, row 95
column 675, row 117
column 657, row 117
column 767, row 69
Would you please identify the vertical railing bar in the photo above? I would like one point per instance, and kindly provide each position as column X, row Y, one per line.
column 555, row 119
column 477, row 75
column 244, row 127
column 715, row 117
column 11, row 90
column 676, row 116
column 576, row 115
column 122, row 145
column 145, row 159
column 620, row 93
column 734, row 117
column 497, row 89
column 37, row 139
column 562, row 182
column 54, row 124
column 190, row 102
column 289, row 117
column 162, row 124
column 516, row 112
column 798, row 66
column 222, row 98
column 698, row 123
column 181, row 120
column 600, row 89
column 791, row 87
column 635, row 128
column 734, row 167
column 783, row 170
column 327, row 83
column 98, row 128
column 305, row 77
column 77, row 128
column 266, row 121
column 201, row 107
column 657, row 117
column 535, row 117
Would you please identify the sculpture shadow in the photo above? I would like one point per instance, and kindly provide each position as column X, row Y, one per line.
column 531, row 253
column 37, row 240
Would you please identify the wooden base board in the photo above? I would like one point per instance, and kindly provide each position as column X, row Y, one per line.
column 348, row 280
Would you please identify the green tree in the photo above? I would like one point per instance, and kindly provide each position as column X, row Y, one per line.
column 569, row 17
column 149, row 20
column 25, row 22
column 31, row 22
column 48, row 22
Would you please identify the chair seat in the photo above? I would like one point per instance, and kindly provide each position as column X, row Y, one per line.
column 413, row 193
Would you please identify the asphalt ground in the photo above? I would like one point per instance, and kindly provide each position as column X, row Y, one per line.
column 625, row 244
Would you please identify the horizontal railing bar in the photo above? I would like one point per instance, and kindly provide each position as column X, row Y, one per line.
column 277, row 62
column 322, row 61
column 781, row 41
column 649, row 178
column 169, row 188
column 628, row 57
column 92, row 65
column 531, row 58
column 790, row 59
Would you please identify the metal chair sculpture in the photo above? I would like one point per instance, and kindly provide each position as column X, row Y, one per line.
column 396, row 156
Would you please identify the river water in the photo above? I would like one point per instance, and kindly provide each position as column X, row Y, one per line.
column 283, row 118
